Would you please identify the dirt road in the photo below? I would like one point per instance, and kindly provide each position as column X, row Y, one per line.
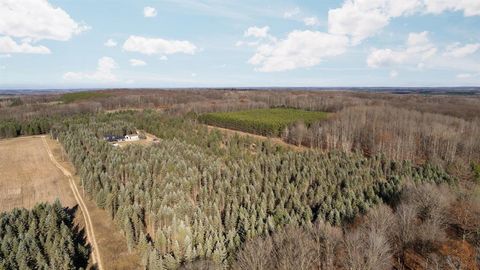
column 86, row 215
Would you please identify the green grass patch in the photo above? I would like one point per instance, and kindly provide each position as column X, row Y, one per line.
column 79, row 96
column 267, row 122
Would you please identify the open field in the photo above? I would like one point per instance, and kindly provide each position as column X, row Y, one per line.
column 27, row 176
column 267, row 122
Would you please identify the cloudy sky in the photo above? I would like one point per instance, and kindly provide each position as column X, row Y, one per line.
column 177, row 43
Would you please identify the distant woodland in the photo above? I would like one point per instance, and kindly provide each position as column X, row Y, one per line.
column 422, row 127
column 386, row 181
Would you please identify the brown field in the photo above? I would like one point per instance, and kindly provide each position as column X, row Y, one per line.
column 27, row 176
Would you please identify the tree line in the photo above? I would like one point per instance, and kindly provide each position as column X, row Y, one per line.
column 10, row 128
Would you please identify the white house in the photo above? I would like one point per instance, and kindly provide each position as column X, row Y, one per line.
column 131, row 137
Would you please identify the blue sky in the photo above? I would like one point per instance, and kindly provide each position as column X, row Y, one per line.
column 188, row 43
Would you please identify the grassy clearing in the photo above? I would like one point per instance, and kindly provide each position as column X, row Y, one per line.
column 79, row 96
column 267, row 122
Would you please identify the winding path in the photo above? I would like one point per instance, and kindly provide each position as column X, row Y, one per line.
column 86, row 215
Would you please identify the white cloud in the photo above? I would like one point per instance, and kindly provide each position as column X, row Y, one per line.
column 110, row 43
column 418, row 49
column 149, row 12
column 5, row 55
column 357, row 19
column 8, row 45
column 397, row 8
column 37, row 19
column 158, row 46
column 104, row 72
column 245, row 43
column 137, row 62
column 258, row 32
column 419, row 53
column 311, row 21
column 299, row 49
column 163, row 58
column 468, row 7
column 464, row 75
column 419, row 45
column 3, row 67
column 386, row 57
column 457, row 51
column 73, row 76
column 393, row 74
column 360, row 19
column 291, row 13
column 194, row 74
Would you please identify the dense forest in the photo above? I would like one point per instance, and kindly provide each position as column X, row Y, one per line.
column 41, row 238
column 386, row 182
column 200, row 195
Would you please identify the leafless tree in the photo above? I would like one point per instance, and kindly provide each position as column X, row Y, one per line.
column 368, row 247
column 256, row 254
column 406, row 219
column 465, row 216
column 326, row 243
column 293, row 249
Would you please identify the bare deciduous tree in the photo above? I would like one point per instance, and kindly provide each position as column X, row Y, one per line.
column 368, row 247
column 293, row 249
column 326, row 242
column 256, row 254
